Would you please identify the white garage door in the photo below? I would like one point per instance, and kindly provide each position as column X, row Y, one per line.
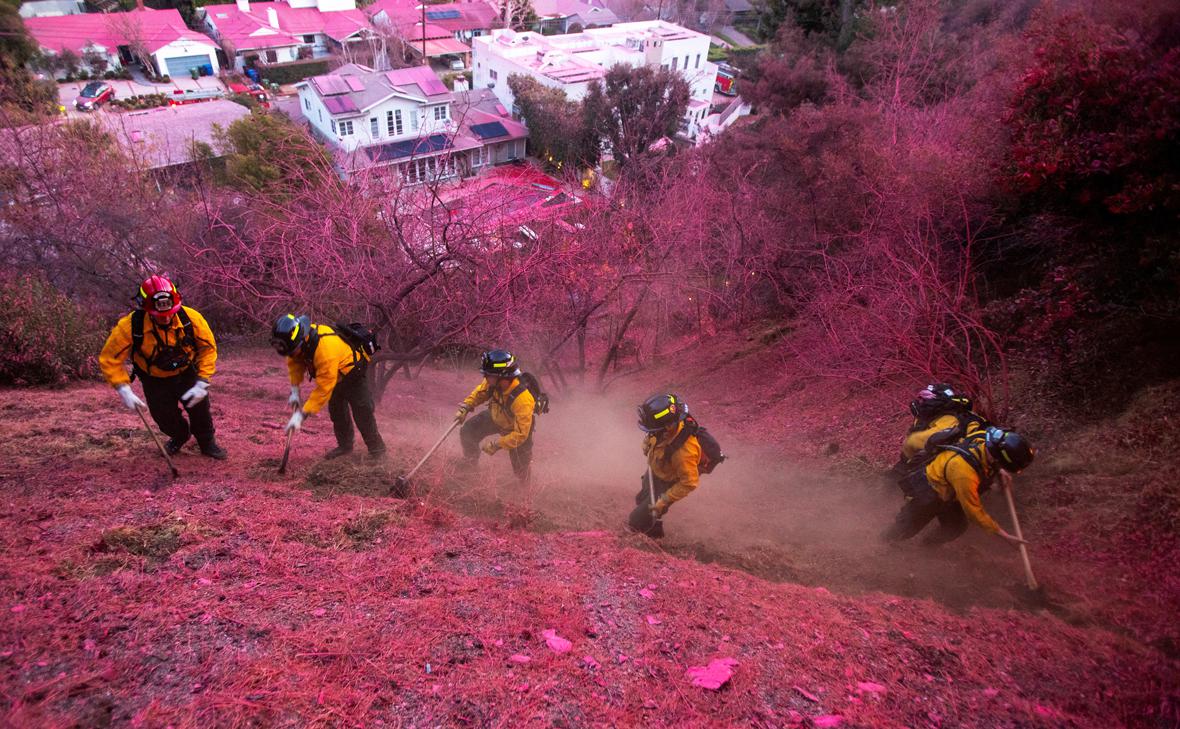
column 179, row 67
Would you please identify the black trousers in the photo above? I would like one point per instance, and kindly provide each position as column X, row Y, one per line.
column 480, row 426
column 659, row 486
column 641, row 519
column 163, row 401
column 352, row 393
column 924, row 506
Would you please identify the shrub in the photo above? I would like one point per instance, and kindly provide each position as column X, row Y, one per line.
column 289, row 73
column 45, row 337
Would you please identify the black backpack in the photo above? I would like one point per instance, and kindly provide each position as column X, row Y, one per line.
column 358, row 336
column 529, row 381
column 711, row 453
column 179, row 359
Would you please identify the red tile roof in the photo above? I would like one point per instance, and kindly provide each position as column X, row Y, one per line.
column 252, row 29
column 155, row 28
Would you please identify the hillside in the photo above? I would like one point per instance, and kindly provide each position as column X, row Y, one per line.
column 237, row 597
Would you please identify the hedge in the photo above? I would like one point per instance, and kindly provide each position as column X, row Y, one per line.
column 292, row 71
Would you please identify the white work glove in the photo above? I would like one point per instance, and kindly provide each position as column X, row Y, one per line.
column 461, row 413
column 294, row 401
column 196, row 393
column 130, row 399
column 296, row 421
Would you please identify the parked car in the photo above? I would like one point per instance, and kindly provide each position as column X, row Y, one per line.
column 456, row 64
column 94, row 95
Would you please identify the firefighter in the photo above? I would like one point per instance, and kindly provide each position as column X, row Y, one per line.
column 510, row 415
column 942, row 415
column 673, row 453
column 949, row 487
column 339, row 372
column 173, row 353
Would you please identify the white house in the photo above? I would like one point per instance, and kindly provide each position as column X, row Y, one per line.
column 406, row 119
column 278, row 32
column 571, row 62
column 114, row 39
column 50, row 8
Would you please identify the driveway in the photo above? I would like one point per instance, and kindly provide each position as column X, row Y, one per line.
column 67, row 92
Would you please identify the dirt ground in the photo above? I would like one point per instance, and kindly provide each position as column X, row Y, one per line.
column 235, row 596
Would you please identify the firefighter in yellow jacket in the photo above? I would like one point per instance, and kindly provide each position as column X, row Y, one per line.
column 673, row 460
column 942, row 415
column 510, row 415
column 173, row 353
column 949, row 487
column 339, row 372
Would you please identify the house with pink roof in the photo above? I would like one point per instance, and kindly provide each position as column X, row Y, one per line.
column 285, row 30
column 158, row 39
column 407, row 120
column 446, row 28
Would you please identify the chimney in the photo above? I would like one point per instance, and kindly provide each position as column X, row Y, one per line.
column 244, row 5
column 272, row 17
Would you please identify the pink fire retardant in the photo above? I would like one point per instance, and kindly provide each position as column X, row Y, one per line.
column 555, row 642
column 713, row 676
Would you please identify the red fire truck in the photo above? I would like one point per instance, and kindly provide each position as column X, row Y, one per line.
column 726, row 80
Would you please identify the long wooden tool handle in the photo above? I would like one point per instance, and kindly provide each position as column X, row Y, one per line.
column 651, row 487
column 156, row 438
column 429, row 453
column 286, row 451
column 1028, row 573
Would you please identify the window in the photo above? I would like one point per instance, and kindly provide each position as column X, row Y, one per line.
column 440, row 113
column 480, row 157
column 414, row 121
column 374, row 127
column 334, row 126
column 698, row 60
column 272, row 57
column 306, row 103
column 309, row 39
column 674, row 63
column 492, row 73
column 346, row 128
column 427, row 168
column 321, row 113
column 393, row 123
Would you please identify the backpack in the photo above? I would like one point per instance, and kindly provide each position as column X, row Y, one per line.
column 139, row 328
column 963, row 449
column 529, row 381
column 358, row 336
column 711, row 453
column 943, row 438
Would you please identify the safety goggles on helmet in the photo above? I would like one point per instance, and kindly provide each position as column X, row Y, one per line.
column 289, row 333
column 659, row 412
column 1011, row 451
column 162, row 302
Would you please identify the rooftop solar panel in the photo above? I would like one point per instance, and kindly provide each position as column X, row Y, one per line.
column 409, row 148
column 339, row 104
column 489, row 130
column 330, row 85
column 442, row 14
column 354, row 83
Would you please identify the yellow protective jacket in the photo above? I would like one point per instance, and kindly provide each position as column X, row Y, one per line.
column 515, row 417
column 952, row 477
column 115, row 353
column 333, row 359
column 916, row 440
column 680, row 468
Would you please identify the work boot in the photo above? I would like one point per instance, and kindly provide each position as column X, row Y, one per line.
column 214, row 451
column 337, row 452
column 173, row 446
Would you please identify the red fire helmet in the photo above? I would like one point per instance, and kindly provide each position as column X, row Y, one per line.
column 158, row 297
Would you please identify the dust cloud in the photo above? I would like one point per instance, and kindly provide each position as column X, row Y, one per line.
column 760, row 512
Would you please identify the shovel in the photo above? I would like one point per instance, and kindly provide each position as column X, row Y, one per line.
column 287, row 448
column 1035, row 592
column 401, row 484
column 156, row 438
column 641, row 519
